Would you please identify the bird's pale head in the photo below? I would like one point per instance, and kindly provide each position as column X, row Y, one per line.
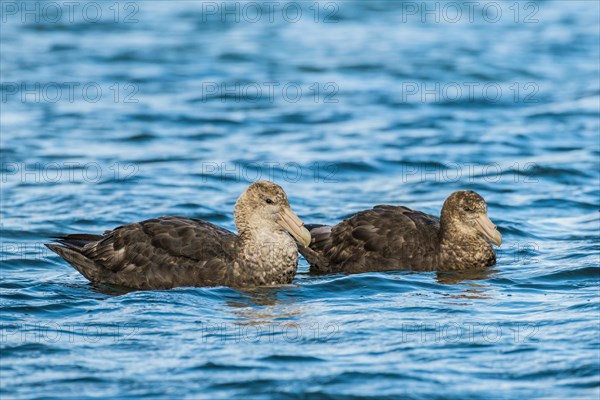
column 265, row 203
column 466, row 211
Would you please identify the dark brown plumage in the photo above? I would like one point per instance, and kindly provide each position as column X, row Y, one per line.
column 168, row 252
column 396, row 237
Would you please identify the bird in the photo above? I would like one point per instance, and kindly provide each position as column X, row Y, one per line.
column 173, row 251
column 390, row 237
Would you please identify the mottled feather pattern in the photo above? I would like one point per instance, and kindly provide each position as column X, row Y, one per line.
column 377, row 238
column 171, row 251
column 395, row 237
column 160, row 252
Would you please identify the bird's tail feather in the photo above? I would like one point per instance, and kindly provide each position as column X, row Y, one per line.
column 76, row 241
column 319, row 263
column 70, row 250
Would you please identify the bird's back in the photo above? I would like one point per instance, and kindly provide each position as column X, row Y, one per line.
column 383, row 238
column 157, row 253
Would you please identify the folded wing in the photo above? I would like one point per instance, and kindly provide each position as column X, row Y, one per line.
column 383, row 238
column 156, row 253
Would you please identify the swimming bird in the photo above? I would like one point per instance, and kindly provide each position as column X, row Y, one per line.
column 173, row 251
column 396, row 237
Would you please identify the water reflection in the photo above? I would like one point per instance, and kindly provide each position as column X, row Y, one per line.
column 455, row 277
column 472, row 290
column 259, row 296
column 263, row 305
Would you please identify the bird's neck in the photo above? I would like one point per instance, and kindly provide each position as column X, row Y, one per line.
column 460, row 250
column 254, row 230
column 272, row 253
column 264, row 237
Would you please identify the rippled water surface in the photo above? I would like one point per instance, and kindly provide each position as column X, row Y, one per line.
column 171, row 108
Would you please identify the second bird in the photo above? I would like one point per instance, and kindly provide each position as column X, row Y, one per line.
column 395, row 237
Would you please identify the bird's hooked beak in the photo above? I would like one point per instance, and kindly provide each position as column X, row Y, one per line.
column 294, row 225
column 488, row 229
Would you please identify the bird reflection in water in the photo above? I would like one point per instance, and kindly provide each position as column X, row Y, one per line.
column 474, row 290
column 264, row 305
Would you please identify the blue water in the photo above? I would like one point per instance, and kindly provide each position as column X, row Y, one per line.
column 172, row 108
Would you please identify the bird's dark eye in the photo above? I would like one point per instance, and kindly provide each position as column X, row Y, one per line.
column 467, row 209
column 269, row 201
